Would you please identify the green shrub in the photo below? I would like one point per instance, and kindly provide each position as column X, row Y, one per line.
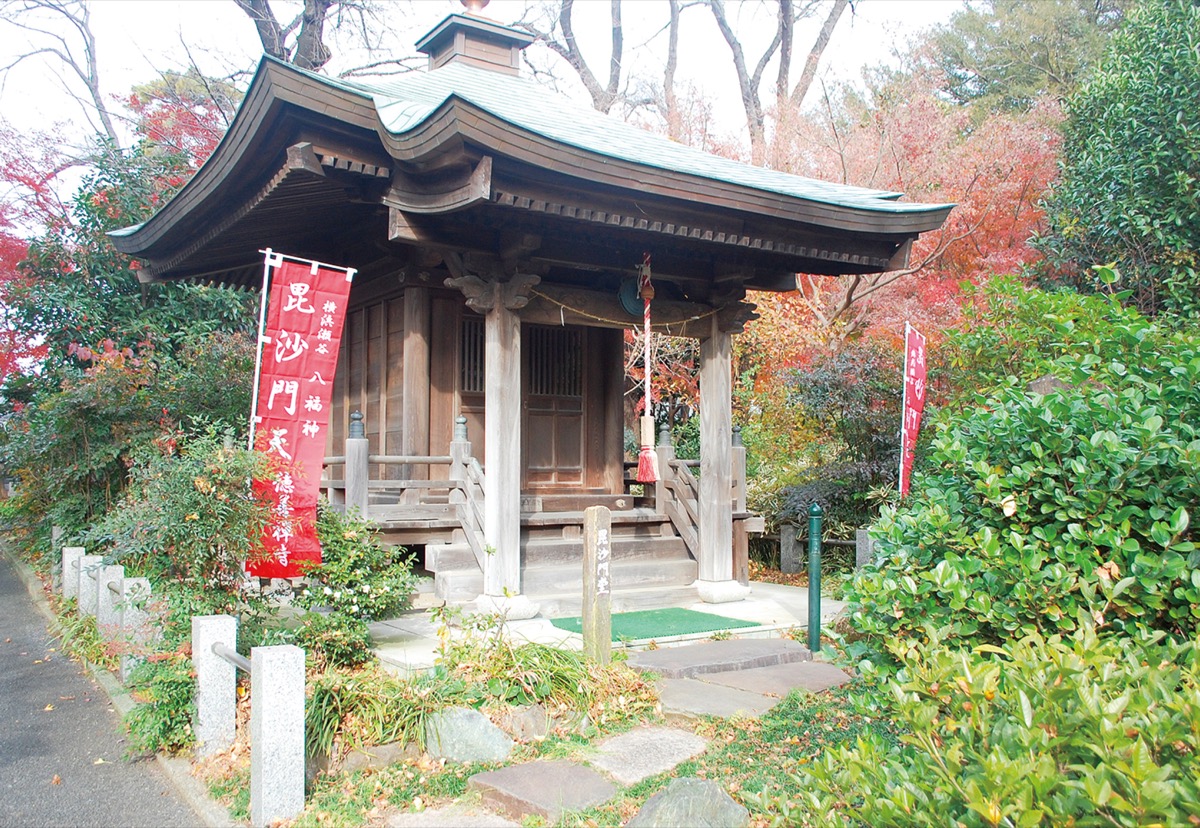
column 357, row 576
column 165, row 686
column 1080, row 730
column 334, row 640
column 189, row 514
column 1032, row 508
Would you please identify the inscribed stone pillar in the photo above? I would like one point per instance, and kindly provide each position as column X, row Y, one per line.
column 502, row 451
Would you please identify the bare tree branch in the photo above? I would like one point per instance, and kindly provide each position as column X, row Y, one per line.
column 818, row 49
column 24, row 15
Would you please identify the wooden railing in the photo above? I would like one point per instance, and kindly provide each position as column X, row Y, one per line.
column 677, row 495
column 461, row 495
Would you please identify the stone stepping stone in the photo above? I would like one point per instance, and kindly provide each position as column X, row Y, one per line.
column 454, row 816
column 780, row 679
column 691, row 802
column 718, row 657
column 686, row 700
column 645, row 752
column 546, row 788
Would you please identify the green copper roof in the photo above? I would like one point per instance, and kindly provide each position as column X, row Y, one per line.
column 405, row 102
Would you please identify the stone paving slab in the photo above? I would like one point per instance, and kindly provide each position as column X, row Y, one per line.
column 688, row 699
column 780, row 679
column 454, row 816
column 546, row 788
column 646, row 751
column 719, row 657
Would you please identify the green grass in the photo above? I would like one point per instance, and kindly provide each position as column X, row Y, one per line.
column 754, row 760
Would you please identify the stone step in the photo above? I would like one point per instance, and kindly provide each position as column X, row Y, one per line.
column 719, row 657
column 750, row 692
column 545, row 788
column 457, row 585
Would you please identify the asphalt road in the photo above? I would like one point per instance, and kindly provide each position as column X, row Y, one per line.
column 62, row 746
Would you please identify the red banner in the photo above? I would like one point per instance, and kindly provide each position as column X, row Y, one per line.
column 914, row 402
column 299, row 356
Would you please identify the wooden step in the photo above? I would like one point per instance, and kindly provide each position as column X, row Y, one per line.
column 553, row 551
column 458, row 585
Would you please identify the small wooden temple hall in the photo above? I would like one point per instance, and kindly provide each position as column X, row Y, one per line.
column 497, row 230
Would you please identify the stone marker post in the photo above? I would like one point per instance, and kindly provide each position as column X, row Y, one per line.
column 597, row 583
column 276, row 734
column 89, row 568
column 215, row 725
column 70, row 570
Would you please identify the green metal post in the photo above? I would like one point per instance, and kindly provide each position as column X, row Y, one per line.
column 814, row 577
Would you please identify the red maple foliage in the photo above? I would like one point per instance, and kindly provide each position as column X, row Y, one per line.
column 995, row 170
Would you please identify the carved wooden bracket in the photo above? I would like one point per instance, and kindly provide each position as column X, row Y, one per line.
column 733, row 318
column 484, row 294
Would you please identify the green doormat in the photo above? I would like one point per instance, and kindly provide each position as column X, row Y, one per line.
column 635, row 626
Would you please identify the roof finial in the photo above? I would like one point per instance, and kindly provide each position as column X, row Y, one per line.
column 474, row 6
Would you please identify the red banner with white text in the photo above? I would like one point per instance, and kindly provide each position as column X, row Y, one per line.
column 300, row 342
column 914, row 402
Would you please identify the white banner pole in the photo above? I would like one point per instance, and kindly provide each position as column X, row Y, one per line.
column 271, row 260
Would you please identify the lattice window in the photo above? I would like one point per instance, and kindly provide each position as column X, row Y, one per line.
column 472, row 369
column 555, row 361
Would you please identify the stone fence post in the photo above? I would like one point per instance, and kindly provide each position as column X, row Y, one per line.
column 215, row 725
column 276, row 734
column 134, row 621
column 89, row 568
column 108, row 597
column 864, row 548
column 70, row 570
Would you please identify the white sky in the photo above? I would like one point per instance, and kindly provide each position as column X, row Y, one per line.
column 138, row 38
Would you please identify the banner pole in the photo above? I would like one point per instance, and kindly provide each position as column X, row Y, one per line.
column 903, row 410
column 269, row 260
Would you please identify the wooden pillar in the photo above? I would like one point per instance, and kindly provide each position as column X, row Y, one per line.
column 415, row 421
column 502, row 450
column 716, row 462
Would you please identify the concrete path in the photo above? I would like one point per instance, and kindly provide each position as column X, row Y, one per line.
column 62, row 751
column 408, row 643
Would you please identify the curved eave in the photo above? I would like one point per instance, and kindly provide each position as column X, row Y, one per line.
column 274, row 89
column 458, row 119
column 278, row 91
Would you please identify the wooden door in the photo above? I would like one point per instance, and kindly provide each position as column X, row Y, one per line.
column 553, row 425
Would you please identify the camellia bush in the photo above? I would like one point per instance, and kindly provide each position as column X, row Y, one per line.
column 358, row 576
column 1031, row 508
column 1058, row 730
